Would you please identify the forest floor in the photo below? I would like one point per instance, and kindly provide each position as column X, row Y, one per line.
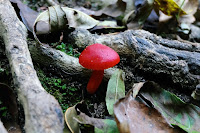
column 70, row 89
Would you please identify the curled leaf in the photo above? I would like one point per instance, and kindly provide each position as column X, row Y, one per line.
column 73, row 125
column 59, row 18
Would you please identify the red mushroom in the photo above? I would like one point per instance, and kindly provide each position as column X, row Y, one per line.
column 97, row 57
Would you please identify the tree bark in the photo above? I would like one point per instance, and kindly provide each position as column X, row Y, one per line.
column 42, row 111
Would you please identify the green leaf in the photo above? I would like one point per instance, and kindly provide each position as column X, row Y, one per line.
column 177, row 112
column 115, row 90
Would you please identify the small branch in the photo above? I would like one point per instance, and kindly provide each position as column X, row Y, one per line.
column 42, row 111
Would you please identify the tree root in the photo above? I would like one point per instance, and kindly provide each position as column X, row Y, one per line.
column 42, row 111
column 162, row 60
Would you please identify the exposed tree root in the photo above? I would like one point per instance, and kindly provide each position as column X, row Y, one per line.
column 155, row 58
column 42, row 111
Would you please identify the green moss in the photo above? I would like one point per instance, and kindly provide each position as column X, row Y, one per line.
column 68, row 49
column 3, row 111
column 65, row 94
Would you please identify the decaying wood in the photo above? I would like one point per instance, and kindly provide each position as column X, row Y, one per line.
column 163, row 60
column 2, row 128
column 42, row 112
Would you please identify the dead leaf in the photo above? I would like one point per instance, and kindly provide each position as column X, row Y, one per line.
column 135, row 117
column 58, row 18
column 75, row 116
column 135, row 18
column 176, row 7
column 136, row 88
column 172, row 108
column 101, row 125
column 113, row 10
column 73, row 125
column 27, row 15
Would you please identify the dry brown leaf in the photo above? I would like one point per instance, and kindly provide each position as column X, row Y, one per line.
column 27, row 15
column 135, row 117
column 113, row 10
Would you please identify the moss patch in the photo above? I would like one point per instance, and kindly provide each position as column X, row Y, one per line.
column 63, row 90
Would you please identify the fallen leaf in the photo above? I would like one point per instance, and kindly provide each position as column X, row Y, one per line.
column 115, row 90
column 73, row 125
column 114, row 10
column 186, row 116
column 27, row 15
column 176, row 7
column 101, row 125
column 134, row 18
column 78, row 114
column 58, row 18
column 136, row 88
column 135, row 117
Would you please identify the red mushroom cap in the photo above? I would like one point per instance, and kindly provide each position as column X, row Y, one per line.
column 98, row 57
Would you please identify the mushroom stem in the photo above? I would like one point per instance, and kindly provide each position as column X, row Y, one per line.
column 95, row 81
